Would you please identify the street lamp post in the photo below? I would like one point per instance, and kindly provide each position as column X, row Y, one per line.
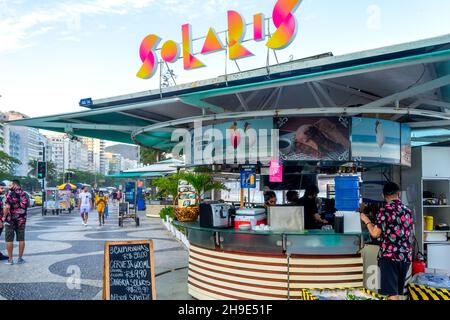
column 43, row 180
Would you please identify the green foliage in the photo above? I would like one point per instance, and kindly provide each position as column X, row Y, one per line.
column 167, row 186
column 87, row 177
column 167, row 211
column 203, row 182
column 150, row 156
column 29, row 183
column 7, row 164
column 51, row 169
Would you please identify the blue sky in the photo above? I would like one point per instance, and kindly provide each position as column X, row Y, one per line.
column 53, row 53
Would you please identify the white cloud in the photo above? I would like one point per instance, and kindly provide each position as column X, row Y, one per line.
column 16, row 30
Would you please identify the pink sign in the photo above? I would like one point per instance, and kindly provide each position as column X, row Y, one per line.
column 275, row 171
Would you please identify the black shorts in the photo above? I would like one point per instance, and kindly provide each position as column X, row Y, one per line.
column 10, row 230
column 393, row 277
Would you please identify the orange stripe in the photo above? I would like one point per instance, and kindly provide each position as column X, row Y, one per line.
column 240, row 275
column 326, row 281
column 238, row 268
column 240, row 290
column 242, row 261
column 242, row 253
column 219, row 293
column 343, row 256
column 240, row 283
column 313, row 266
column 349, row 273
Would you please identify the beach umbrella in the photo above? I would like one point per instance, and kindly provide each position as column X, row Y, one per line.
column 67, row 186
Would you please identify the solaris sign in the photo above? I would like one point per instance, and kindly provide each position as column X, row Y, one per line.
column 283, row 19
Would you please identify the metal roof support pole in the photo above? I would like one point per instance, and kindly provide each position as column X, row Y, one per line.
column 324, row 94
column 268, row 50
column 237, row 65
column 444, row 105
column 348, row 89
column 414, row 105
column 276, row 57
column 271, row 96
column 315, row 95
column 414, row 91
column 226, row 59
column 277, row 101
column 170, row 71
column 160, row 78
column 242, row 101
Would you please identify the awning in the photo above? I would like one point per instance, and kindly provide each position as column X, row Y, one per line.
column 159, row 169
column 409, row 83
column 125, row 175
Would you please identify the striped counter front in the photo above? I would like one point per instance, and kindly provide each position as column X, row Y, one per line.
column 217, row 274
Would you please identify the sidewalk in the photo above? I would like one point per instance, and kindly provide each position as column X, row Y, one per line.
column 60, row 249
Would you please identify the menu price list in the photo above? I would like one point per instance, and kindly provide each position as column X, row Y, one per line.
column 130, row 272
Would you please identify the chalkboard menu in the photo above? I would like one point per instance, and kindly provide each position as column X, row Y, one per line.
column 129, row 271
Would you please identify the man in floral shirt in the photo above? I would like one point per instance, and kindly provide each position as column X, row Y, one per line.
column 394, row 228
column 2, row 198
column 14, row 219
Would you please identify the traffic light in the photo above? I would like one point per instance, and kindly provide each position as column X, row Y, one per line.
column 41, row 170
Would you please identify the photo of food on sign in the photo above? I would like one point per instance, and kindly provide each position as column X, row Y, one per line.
column 376, row 140
column 187, row 196
column 312, row 138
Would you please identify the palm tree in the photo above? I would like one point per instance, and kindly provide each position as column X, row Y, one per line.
column 150, row 156
column 32, row 165
column 167, row 186
column 51, row 169
column 203, row 183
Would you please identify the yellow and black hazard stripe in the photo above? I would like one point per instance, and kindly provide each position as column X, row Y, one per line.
column 373, row 294
column 421, row 292
column 307, row 295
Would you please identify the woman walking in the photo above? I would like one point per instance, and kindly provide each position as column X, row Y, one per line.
column 101, row 201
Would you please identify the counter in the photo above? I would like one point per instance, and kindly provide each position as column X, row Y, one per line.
column 234, row 264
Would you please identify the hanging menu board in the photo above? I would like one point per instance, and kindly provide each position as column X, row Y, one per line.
column 129, row 271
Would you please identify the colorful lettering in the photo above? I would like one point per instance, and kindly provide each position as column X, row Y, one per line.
column 212, row 43
column 236, row 33
column 170, row 51
column 284, row 20
column 190, row 62
column 148, row 56
column 258, row 27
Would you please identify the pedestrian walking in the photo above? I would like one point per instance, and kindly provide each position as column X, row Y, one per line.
column 14, row 219
column 85, row 205
column 2, row 200
column 101, row 201
column 114, row 197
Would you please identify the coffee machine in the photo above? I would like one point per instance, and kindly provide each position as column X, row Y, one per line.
column 216, row 215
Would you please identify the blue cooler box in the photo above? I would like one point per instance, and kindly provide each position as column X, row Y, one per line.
column 347, row 193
